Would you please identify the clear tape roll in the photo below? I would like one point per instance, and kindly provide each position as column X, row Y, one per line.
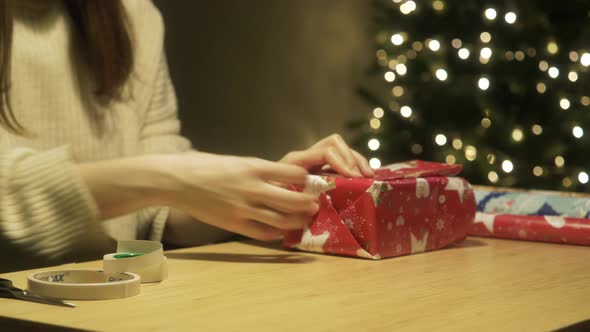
column 83, row 284
column 146, row 258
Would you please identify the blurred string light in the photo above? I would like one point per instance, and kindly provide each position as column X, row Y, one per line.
column 375, row 163
column 493, row 177
column 450, row 159
column 507, row 166
column 434, row 45
column 510, row 17
column 537, row 130
column 397, row 39
column 543, row 65
column 552, row 47
column 564, row 103
column 483, row 83
column 490, row 14
column 457, row 144
column 585, row 59
column 559, row 161
column 470, row 152
column 389, row 76
column 406, row 111
column 583, row 177
column 438, row 5
column 485, row 37
column 440, row 139
column 375, row 123
column 441, row 74
column 456, row 43
column 566, row 182
column 463, row 53
column 541, row 87
column 401, row 69
column 378, row 112
column 537, row 170
column 517, row 134
column 572, row 76
column 574, row 57
column 374, row 144
column 553, row 72
column 486, row 53
column 577, row 131
column 407, row 7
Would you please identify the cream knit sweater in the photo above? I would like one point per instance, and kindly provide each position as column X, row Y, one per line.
column 47, row 214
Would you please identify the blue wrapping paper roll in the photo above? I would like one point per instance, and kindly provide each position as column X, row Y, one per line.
column 532, row 203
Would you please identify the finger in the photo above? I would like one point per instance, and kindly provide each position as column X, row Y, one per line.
column 345, row 152
column 284, row 173
column 338, row 142
column 287, row 201
column 339, row 165
column 255, row 230
column 363, row 164
column 276, row 219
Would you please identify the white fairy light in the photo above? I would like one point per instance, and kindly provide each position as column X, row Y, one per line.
column 486, row 53
column 490, row 14
column 507, row 166
column 389, row 76
column 441, row 74
column 583, row 177
column 553, row 72
column 374, row 144
column 572, row 76
column 483, row 83
column 564, row 103
column 578, row 132
column 585, row 59
column 401, row 69
column 434, row 45
column 375, row 163
column 406, row 111
column 440, row 139
column 463, row 53
column 378, row 112
column 397, row 39
column 510, row 17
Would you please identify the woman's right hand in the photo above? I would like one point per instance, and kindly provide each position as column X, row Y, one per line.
column 238, row 194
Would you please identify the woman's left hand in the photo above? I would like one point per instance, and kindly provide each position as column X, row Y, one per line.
column 331, row 152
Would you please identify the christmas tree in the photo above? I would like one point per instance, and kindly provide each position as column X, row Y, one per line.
column 498, row 86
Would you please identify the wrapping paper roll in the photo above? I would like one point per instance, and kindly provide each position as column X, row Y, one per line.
column 532, row 215
column 145, row 258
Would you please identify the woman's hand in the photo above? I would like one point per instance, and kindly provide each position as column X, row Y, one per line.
column 331, row 152
column 236, row 194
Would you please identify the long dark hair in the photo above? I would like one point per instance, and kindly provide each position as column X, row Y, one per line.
column 104, row 39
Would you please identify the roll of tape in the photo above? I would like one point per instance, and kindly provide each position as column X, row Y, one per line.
column 83, row 284
column 145, row 258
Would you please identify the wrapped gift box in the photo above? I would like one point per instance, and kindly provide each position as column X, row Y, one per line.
column 531, row 215
column 406, row 208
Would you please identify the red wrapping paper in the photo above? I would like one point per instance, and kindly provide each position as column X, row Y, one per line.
column 407, row 208
column 556, row 229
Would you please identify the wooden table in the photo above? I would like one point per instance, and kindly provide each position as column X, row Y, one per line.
column 481, row 285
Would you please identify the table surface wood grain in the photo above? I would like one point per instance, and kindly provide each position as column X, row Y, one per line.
column 479, row 285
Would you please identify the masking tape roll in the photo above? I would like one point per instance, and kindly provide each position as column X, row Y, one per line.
column 145, row 258
column 83, row 284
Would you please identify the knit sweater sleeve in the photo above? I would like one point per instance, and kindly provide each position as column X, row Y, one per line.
column 45, row 207
column 160, row 134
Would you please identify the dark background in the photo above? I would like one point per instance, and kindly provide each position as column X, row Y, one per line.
column 264, row 77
